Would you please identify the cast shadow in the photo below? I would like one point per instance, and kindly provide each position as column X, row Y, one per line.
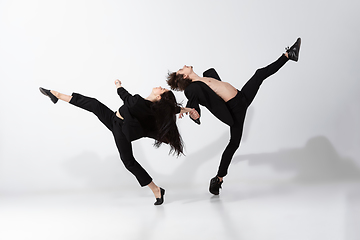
column 352, row 213
column 316, row 162
column 110, row 172
column 97, row 173
column 230, row 226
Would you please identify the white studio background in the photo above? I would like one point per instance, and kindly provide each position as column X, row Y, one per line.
column 303, row 124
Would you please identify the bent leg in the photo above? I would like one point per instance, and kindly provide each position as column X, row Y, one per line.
column 127, row 157
column 252, row 86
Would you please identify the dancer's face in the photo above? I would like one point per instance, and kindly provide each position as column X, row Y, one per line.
column 186, row 70
column 157, row 91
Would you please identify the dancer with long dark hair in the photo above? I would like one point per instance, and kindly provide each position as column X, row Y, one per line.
column 224, row 101
column 154, row 117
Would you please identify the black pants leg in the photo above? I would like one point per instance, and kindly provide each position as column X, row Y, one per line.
column 114, row 124
column 127, row 157
column 104, row 114
column 238, row 107
column 252, row 86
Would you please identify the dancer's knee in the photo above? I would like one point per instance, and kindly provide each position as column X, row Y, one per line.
column 234, row 144
column 128, row 161
column 260, row 73
column 129, row 165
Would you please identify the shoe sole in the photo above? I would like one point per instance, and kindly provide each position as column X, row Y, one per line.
column 299, row 44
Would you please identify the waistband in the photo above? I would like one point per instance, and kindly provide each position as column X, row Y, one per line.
column 117, row 119
column 233, row 101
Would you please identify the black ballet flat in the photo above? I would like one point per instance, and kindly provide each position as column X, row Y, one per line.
column 160, row 201
column 49, row 94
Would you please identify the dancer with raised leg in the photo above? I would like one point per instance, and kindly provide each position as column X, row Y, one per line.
column 224, row 101
column 154, row 117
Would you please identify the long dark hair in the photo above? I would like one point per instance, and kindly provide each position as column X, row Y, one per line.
column 167, row 132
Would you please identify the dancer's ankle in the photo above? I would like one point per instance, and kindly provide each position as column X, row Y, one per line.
column 157, row 192
column 55, row 93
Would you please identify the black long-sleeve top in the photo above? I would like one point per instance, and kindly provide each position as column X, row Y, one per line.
column 139, row 120
column 198, row 93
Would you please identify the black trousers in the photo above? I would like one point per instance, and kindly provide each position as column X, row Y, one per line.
column 238, row 107
column 114, row 124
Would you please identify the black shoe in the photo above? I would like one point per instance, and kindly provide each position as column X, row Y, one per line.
column 293, row 51
column 49, row 94
column 160, row 201
column 215, row 185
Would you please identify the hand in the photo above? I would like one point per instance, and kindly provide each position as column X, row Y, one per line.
column 118, row 83
column 194, row 114
column 184, row 110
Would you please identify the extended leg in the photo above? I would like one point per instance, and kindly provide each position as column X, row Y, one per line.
column 252, row 86
column 61, row 96
column 104, row 114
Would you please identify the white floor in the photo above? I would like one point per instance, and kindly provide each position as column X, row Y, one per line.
column 322, row 211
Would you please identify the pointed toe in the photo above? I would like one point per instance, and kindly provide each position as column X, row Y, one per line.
column 48, row 93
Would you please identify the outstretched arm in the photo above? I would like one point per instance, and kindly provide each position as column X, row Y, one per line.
column 124, row 94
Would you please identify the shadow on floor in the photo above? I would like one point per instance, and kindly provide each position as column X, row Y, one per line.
column 317, row 161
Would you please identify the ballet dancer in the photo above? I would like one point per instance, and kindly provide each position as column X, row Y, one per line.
column 224, row 101
column 154, row 117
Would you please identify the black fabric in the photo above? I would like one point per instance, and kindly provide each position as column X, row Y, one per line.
column 200, row 93
column 139, row 120
column 116, row 126
column 238, row 107
column 232, row 112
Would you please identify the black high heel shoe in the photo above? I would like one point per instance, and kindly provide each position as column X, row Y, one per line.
column 49, row 94
column 160, row 201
